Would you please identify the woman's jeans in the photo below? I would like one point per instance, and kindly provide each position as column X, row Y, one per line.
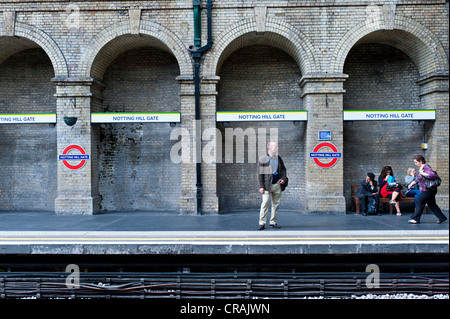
column 428, row 197
column 414, row 193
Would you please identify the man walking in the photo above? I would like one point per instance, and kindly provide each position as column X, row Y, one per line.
column 272, row 180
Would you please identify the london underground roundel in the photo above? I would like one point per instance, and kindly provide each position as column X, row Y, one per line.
column 77, row 157
column 318, row 154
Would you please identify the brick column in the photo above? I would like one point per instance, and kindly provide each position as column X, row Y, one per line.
column 207, row 127
column 77, row 188
column 208, row 93
column 434, row 90
column 188, row 201
column 323, row 99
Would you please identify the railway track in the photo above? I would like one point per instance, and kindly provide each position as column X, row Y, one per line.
column 222, row 278
column 215, row 286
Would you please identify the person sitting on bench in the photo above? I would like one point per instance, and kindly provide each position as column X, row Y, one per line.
column 413, row 191
column 367, row 191
column 385, row 179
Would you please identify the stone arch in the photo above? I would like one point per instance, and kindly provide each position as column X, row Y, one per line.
column 277, row 33
column 117, row 39
column 409, row 36
column 26, row 37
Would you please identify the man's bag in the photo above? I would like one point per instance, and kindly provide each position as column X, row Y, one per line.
column 283, row 186
column 372, row 206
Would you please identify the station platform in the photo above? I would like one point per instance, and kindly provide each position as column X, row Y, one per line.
column 233, row 233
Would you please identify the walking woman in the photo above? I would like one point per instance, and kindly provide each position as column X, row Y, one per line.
column 427, row 196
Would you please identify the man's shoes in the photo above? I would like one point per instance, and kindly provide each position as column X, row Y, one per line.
column 441, row 221
column 413, row 221
column 261, row 227
column 364, row 213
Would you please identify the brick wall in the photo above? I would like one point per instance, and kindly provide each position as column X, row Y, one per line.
column 266, row 54
column 380, row 78
column 136, row 172
column 259, row 78
column 28, row 151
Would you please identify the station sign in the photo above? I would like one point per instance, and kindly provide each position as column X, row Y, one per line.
column 318, row 155
column 77, row 159
column 135, row 117
column 262, row 116
column 27, row 118
column 377, row 115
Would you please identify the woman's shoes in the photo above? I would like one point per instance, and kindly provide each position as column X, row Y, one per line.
column 399, row 214
column 413, row 221
column 392, row 202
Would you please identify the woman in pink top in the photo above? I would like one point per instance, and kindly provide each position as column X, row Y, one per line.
column 427, row 196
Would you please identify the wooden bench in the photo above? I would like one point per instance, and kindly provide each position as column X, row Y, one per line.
column 356, row 202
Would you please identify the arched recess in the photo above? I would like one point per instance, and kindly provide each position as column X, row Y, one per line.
column 138, row 74
column 259, row 72
column 27, row 36
column 386, row 69
column 28, row 62
column 408, row 35
column 102, row 50
column 277, row 33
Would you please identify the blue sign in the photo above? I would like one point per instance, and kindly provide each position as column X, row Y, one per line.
column 73, row 157
column 325, row 135
column 325, row 155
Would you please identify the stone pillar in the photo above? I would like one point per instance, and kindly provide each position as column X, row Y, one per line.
column 323, row 99
column 188, row 201
column 207, row 129
column 77, row 188
column 434, row 90
column 210, row 146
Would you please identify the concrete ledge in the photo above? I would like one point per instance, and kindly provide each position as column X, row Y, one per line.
column 226, row 242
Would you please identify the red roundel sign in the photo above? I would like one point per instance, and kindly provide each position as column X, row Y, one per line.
column 80, row 156
column 316, row 155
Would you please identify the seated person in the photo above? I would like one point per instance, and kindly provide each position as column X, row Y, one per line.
column 414, row 190
column 368, row 189
column 387, row 177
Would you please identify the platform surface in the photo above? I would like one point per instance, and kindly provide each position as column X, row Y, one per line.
column 230, row 233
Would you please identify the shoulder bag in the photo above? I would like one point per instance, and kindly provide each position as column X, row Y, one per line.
column 432, row 183
column 391, row 186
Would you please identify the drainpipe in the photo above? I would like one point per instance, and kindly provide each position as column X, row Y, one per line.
column 196, row 51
